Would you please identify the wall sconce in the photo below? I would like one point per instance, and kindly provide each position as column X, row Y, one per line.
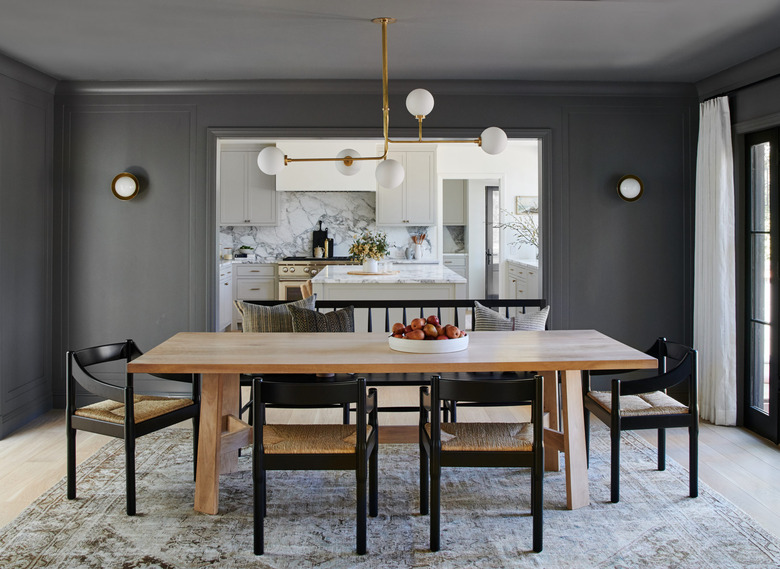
column 125, row 186
column 630, row 188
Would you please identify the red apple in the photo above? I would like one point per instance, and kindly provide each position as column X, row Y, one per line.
column 439, row 330
column 433, row 319
column 442, row 337
column 398, row 327
column 398, row 335
column 415, row 335
column 430, row 330
column 417, row 323
column 407, row 329
column 452, row 331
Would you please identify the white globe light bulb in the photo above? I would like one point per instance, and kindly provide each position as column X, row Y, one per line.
column 390, row 173
column 125, row 186
column 494, row 140
column 270, row 160
column 419, row 102
column 351, row 169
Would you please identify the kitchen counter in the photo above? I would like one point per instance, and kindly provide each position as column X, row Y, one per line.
column 410, row 273
column 415, row 281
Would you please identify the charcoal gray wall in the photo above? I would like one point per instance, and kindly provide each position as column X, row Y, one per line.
column 26, row 139
column 144, row 268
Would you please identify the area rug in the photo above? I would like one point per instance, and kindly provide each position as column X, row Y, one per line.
column 486, row 521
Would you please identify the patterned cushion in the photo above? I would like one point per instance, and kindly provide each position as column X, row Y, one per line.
column 270, row 318
column 486, row 319
column 305, row 320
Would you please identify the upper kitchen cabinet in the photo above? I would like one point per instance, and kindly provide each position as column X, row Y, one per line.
column 246, row 195
column 323, row 176
column 414, row 201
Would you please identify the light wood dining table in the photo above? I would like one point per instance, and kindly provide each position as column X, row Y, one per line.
column 221, row 357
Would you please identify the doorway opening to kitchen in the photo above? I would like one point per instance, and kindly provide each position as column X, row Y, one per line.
column 517, row 171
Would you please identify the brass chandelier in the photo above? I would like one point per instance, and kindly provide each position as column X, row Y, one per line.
column 389, row 173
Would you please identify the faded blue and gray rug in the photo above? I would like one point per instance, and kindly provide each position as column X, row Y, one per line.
column 485, row 518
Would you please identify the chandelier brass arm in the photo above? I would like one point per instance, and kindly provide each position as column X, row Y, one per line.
column 389, row 173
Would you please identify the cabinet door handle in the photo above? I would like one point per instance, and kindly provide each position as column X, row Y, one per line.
column 254, row 271
column 254, row 289
column 226, row 284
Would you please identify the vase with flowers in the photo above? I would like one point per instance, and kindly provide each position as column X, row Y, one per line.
column 368, row 249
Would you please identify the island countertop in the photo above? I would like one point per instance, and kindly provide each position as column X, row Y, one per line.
column 401, row 274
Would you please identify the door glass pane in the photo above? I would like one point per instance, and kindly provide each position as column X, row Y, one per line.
column 759, row 162
column 761, row 275
column 759, row 386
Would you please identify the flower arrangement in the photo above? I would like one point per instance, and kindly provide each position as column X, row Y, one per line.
column 369, row 246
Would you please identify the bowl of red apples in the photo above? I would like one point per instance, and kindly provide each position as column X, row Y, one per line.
column 427, row 336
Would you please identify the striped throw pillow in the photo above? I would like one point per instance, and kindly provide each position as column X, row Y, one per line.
column 532, row 320
column 271, row 318
column 487, row 319
column 305, row 320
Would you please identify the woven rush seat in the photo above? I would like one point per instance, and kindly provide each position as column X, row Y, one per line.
column 485, row 436
column 654, row 403
column 145, row 407
column 311, row 439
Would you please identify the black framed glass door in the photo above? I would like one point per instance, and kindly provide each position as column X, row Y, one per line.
column 762, row 285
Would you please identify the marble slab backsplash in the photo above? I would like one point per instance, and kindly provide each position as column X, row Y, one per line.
column 344, row 214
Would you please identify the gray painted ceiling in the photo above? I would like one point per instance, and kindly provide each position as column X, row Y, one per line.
column 589, row 40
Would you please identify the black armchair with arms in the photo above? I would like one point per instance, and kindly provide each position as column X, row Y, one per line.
column 316, row 446
column 643, row 404
column 480, row 444
column 123, row 414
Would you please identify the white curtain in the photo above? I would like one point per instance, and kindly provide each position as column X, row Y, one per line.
column 714, row 306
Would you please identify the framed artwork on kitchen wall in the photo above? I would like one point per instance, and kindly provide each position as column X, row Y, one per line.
column 526, row 204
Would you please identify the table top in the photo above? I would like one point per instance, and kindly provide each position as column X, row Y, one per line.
column 220, row 352
column 401, row 274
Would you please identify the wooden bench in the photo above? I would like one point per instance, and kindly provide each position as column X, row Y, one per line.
column 382, row 314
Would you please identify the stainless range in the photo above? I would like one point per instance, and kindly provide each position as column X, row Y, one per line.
column 293, row 271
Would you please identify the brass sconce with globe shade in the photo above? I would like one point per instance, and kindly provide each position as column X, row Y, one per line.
column 389, row 173
column 630, row 188
column 125, row 186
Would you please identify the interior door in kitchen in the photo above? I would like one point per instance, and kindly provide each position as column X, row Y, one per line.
column 492, row 236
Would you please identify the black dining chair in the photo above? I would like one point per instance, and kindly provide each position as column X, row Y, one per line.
column 643, row 404
column 316, row 446
column 124, row 414
column 480, row 444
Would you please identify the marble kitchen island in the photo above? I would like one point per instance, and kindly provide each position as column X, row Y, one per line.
column 408, row 281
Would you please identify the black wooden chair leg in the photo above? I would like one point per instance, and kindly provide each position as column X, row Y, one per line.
column 71, row 464
column 130, row 474
column 373, row 484
column 615, row 467
column 586, row 418
column 423, row 481
column 537, row 508
column 361, row 509
column 661, row 449
column 693, row 458
column 435, row 505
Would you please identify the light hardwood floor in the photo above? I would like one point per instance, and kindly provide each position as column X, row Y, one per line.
column 740, row 465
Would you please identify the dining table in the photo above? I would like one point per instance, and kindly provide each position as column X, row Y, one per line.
column 220, row 358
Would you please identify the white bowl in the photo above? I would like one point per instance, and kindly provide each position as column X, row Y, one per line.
column 429, row 346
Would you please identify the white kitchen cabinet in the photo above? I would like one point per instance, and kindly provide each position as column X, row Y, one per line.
column 247, row 196
column 454, row 206
column 225, row 315
column 323, row 176
column 253, row 281
column 522, row 280
column 413, row 202
column 458, row 263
